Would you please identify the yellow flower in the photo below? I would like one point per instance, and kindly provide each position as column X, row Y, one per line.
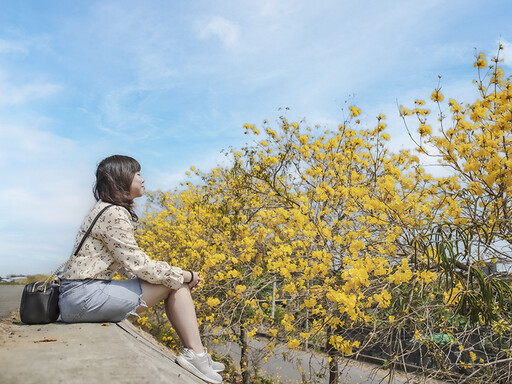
column 428, row 276
column 251, row 333
column 354, row 111
column 480, row 61
column 437, row 96
column 212, row 301
column 240, row 288
column 424, row 129
column 293, row 344
column 384, row 299
column 310, row 303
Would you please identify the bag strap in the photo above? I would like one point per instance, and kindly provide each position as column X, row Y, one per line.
column 52, row 277
column 89, row 231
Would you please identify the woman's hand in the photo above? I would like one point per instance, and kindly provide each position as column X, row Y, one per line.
column 194, row 280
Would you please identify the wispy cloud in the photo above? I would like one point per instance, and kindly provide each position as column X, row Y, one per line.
column 228, row 32
column 8, row 46
column 45, row 194
column 39, row 167
column 121, row 113
column 276, row 9
column 20, row 143
column 17, row 94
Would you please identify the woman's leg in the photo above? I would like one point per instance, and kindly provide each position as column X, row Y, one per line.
column 180, row 310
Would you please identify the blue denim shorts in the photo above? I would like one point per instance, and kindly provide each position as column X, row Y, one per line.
column 97, row 301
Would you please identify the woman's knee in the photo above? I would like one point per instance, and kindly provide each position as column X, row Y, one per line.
column 183, row 292
column 154, row 293
column 184, row 288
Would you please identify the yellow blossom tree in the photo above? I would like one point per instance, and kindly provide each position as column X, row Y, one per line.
column 473, row 143
column 325, row 239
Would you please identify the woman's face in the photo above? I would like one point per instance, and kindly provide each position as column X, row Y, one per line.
column 137, row 186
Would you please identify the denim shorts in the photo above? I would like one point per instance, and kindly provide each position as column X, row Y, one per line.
column 97, row 301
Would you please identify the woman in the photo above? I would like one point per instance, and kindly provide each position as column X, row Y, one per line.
column 88, row 293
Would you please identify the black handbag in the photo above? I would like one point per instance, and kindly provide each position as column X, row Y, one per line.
column 40, row 303
column 40, row 300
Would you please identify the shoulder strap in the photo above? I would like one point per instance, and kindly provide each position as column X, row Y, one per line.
column 54, row 274
column 90, row 229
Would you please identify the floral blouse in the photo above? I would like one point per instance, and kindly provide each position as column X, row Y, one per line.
column 111, row 248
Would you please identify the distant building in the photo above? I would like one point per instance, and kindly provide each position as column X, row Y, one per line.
column 12, row 278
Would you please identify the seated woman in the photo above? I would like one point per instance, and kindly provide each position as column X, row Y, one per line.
column 88, row 293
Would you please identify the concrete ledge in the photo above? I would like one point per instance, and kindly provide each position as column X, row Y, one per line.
column 84, row 353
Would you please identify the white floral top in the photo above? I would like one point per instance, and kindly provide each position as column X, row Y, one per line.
column 111, row 248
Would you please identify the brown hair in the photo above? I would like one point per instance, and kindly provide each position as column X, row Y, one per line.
column 114, row 177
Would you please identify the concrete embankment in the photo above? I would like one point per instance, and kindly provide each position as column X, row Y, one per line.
column 80, row 353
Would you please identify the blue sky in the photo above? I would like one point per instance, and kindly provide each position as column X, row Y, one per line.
column 171, row 83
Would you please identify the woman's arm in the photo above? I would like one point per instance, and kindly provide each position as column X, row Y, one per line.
column 117, row 233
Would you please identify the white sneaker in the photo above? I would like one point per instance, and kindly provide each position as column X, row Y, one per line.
column 216, row 366
column 199, row 365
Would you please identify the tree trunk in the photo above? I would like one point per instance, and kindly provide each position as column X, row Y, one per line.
column 244, row 357
column 333, row 358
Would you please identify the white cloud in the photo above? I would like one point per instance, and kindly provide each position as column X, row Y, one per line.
column 18, row 94
column 20, row 143
column 12, row 47
column 276, row 8
column 46, row 192
column 45, row 176
column 122, row 118
column 228, row 32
